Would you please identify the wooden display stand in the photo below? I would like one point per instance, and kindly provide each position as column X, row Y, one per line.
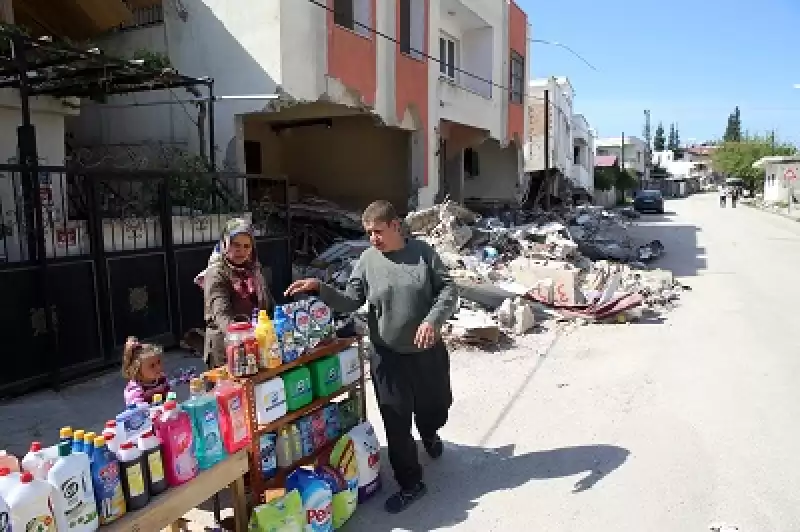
column 167, row 509
column 257, row 484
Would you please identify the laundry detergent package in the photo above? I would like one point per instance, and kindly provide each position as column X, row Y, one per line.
column 300, row 320
column 269, row 458
column 338, row 466
column 317, row 499
column 318, row 432
column 333, row 428
column 306, row 438
column 321, row 325
column 349, row 413
column 284, row 514
column 368, row 458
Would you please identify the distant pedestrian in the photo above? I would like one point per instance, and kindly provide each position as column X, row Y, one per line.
column 723, row 194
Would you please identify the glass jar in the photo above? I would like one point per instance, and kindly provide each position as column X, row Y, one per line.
column 241, row 350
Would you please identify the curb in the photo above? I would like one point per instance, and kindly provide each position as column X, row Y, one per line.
column 781, row 214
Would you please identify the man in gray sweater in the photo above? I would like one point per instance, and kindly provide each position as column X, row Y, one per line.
column 410, row 295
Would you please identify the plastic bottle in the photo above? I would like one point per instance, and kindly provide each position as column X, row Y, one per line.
column 9, row 480
column 175, row 431
column 73, row 495
column 5, row 516
column 269, row 352
column 156, row 405
column 283, row 449
column 77, row 441
column 150, row 445
column 204, row 413
column 31, row 505
column 88, row 445
column 34, row 462
column 9, row 460
column 65, row 435
column 232, row 415
column 172, row 396
column 295, row 442
column 284, row 335
column 114, row 441
column 107, row 484
column 134, row 477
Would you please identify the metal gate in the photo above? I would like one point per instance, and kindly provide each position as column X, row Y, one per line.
column 121, row 251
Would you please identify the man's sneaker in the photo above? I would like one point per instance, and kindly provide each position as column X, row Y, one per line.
column 433, row 446
column 405, row 498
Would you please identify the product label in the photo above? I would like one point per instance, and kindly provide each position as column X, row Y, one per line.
column 5, row 522
column 135, row 480
column 319, row 518
column 211, row 436
column 42, row 523
column 238, row 422
column 75, row 492
column 333, row 375
column 320, row 313
column 302, row 321
column 184, row 459
column 110, row 499
column 156, row 467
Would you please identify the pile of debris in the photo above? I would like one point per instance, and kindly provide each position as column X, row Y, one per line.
column 519, row 271
column 577, row 264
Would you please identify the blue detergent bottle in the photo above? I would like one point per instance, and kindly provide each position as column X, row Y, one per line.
column 204, row 414
column 107, row 483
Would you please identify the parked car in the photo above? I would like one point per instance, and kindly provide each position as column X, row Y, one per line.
column 649, row 200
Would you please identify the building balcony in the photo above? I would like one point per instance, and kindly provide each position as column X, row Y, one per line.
column 581, row 177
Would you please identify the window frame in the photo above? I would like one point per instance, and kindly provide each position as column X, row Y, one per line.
column 448, row 66
column 516, row 80
column 346, row 18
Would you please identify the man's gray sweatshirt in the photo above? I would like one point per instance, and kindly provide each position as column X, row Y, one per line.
column 404, row 288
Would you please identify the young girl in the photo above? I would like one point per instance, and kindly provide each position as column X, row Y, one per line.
column 141, row 364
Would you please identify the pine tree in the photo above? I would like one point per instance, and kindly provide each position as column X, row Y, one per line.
column 671, row 140
column 677, row 137
column 733, row 131
column 659, row 142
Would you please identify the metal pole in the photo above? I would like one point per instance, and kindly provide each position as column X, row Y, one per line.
column 34, row 221
column 212, row 153
column 546, row 181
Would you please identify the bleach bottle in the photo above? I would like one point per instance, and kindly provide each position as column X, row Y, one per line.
column 175, row 431
column 71, row 478
column 31, row 505
column 107, row 483
column 317, row 499
column 204, row 413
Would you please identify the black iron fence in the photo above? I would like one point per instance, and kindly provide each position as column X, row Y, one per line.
column 121, row 250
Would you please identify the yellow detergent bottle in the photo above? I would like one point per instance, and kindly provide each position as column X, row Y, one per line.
column 269, row 355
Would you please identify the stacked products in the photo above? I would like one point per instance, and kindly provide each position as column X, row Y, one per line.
column 89, row 480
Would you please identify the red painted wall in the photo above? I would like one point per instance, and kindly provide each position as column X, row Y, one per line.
column 351, row 57
column 411, row 83
column 518, row 42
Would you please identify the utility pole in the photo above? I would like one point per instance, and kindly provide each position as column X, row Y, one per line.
column 648, row 154
column 546, row 180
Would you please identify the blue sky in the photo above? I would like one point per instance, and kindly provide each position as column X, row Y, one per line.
column 688, row 62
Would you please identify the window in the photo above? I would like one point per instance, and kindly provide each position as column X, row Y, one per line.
column 517, row 82
column 448, row 57
column 472, row 163
column 344, row 13
column 405, row 26
column 576, row 155
column 638, row 156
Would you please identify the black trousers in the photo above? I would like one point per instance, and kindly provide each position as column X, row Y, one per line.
column 411, row 386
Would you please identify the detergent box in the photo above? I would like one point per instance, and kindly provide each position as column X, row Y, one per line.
column 349, row 413
column 317, row 499
column 321, row 327
column 306, row 438
column 297, row 384
column 326, row 376
column 368, row 458
column 284, row 514
column 300, row 320
column 332, row 426
column 341, row 458
column 349, row 365
column 270, row 400
column 318, row 433
column 269, row 458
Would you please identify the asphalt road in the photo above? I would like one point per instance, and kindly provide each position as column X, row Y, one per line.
column 660, row 426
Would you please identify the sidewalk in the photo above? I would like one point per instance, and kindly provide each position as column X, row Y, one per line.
column 780, row 211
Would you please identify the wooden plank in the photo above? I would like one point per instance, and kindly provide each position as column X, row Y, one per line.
column 169, row 507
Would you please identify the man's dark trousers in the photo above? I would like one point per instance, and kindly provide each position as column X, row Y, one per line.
column 411, row 385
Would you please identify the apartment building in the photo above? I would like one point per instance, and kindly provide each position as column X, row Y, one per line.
column 570, row 140
column 352, row 100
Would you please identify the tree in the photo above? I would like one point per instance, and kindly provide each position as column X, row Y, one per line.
column 736, row 158
column 672, row 141
column 733, row 131
column 659, row 142
column 677, row 138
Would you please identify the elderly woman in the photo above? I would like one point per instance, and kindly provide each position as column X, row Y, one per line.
column 234, row 286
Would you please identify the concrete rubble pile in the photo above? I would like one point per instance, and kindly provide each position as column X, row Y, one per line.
column 577, row 264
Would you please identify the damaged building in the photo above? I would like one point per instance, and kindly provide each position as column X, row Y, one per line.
column 350, row 100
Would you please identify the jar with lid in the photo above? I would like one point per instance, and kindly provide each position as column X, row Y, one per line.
column 241, row 350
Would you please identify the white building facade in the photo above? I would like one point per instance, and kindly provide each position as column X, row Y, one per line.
column 582, row 154
column 319, row 96
column 780, row 177
column 632, row 152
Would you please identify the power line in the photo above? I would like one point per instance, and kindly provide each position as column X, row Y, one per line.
column 567, row 48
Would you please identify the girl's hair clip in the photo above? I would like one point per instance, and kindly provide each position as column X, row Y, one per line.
column 148, row 351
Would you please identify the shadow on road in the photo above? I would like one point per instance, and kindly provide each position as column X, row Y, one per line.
column 682, row 254
column 464, row 474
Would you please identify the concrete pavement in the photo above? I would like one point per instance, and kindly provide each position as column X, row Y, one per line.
column 661, row 426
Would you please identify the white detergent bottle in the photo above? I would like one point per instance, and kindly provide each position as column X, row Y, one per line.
column 5, row 516
column 9, row 480
column 31, row 505
column 73, row 493
column 34, row 462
